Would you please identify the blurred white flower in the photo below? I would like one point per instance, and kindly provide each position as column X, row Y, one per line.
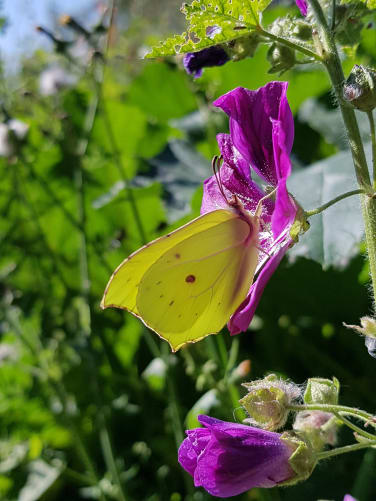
column 53, row 79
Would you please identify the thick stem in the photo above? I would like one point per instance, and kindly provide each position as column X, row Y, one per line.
column 333, row 64
column 373, row 139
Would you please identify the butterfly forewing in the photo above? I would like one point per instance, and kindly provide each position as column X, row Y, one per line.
column 122, row 288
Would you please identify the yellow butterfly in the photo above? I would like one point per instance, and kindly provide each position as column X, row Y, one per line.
column 185, row 285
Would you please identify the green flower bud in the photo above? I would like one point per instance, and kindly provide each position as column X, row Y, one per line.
column 267, row 400
column 280, row 57
column 319, row 427
column 303, row 459
column 322, row 391
column 243, row 47
column 359, row 88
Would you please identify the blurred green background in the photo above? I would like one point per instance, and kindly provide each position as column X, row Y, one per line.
column 111, row 153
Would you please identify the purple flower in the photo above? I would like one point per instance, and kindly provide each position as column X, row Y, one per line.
column 261, row 137
column 303, row 7
column 227, row 459
column 349, row 498
column 212, row 56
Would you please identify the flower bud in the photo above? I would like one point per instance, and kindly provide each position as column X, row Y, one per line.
column 359, row 88
column 319, row 427
column 303, row 459
column 281, row 58
column 194, row 62
column 267, row 400
column 368, row 329
column 243, row 47
column 321, row 391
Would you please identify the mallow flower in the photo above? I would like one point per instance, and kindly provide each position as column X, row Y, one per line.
column 194, row 62
column 227, row 459
column 260, row 141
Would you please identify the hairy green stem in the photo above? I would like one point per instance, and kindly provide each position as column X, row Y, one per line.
column 373, row 140
column 365, row 416
column 344, row 450
column 288, row 43
column 332, row 62
column 353, row 426
column 323, row 207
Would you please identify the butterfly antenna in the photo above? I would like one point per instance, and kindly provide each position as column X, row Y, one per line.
column 216, row 166
column 259, row 205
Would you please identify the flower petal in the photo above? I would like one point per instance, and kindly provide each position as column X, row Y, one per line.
column 303, row 6
column 194, row 62
column 251, row 128
column 240, row 457
column 242, row 317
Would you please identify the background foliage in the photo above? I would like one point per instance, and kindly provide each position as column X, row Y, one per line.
column 112, row 159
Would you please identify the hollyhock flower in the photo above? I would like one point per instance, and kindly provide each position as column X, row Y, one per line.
column 261, row 137
column 228, row 458
column 303, row 6
column 194, row 62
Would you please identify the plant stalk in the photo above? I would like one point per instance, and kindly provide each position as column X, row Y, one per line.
column 333, row 65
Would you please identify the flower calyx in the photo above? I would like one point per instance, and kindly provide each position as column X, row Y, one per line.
column 267, row 402
column 303, row 458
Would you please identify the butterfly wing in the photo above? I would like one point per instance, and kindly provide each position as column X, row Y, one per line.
column 186, row 285
column 122, row 288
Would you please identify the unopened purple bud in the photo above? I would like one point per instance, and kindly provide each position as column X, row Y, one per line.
column 360, row 88
column 320, row 427
column 194, row 62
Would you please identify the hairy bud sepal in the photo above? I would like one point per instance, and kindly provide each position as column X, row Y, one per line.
column 267, row 402
column 322, row 391
column 303, row 458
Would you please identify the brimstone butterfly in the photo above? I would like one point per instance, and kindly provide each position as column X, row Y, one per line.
column 186, row 285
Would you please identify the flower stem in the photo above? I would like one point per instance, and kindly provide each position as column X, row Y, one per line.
column 353, row 426
column 333, row 65
column 288, row 43
column 366, row 416
column 343, row 450
column 313, row 212
column 373, row 140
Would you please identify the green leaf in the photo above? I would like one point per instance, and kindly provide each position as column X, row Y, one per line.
column 334, row 236
column 211, row 22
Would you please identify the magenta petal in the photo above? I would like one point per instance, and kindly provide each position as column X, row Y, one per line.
column 285, row 208
column 349, row 498
column 235, row 458
column 303, row 6
column 242, row 317
column 251, row 128
column 191, row 448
